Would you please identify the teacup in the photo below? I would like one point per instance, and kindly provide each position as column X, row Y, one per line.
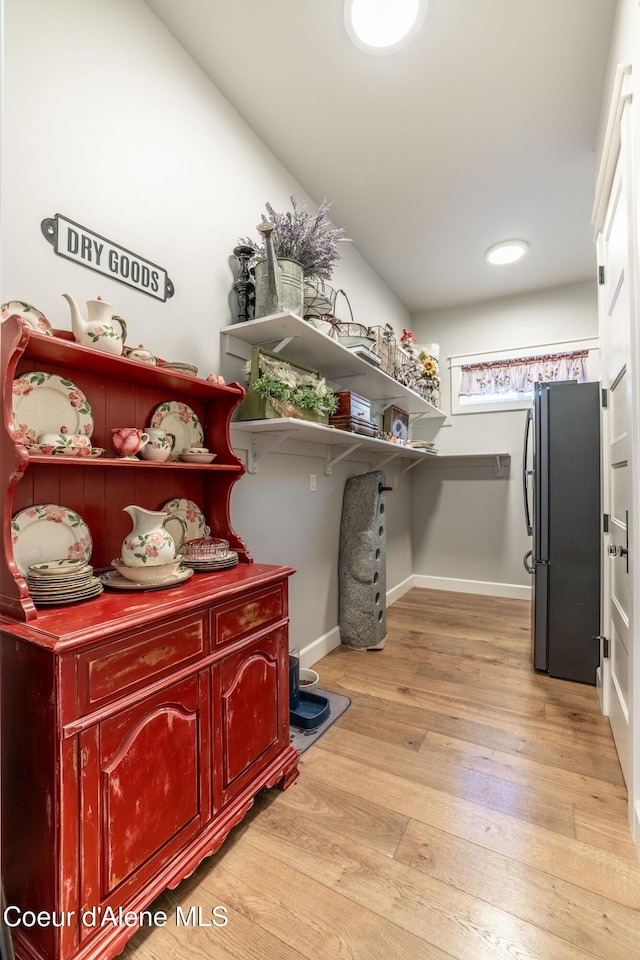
column 128, row 441
column 160, row 445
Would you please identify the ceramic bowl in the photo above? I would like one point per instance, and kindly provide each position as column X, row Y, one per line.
column 309, row 679
column 191, row 457
column 147, row 574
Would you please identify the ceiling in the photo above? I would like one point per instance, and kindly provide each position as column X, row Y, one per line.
column 483, row 128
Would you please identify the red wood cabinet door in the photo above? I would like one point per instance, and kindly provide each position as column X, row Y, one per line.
column 146, row 784
column 251, row 704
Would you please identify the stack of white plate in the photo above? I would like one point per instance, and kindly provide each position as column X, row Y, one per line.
column 55, row 582
column 187, row 368
column 225, row 562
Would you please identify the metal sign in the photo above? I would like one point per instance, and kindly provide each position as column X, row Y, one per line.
column 77, row 243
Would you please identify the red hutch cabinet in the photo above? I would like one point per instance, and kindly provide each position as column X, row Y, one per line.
column 137, row 727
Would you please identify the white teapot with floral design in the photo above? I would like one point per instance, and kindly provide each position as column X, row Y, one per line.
column 149, row 544
column 98, row 330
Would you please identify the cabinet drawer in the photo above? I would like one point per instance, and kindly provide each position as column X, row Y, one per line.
column 238, row 618
column 119, row 667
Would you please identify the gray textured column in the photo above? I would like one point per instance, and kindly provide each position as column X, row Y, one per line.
column 363, row 562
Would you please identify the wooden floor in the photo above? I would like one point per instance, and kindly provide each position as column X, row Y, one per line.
column 463, row 807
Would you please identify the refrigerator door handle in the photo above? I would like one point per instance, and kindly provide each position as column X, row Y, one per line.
column 529, row 567
column 525, row 472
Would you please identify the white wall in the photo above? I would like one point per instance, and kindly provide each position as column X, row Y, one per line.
column 109, row 122
column 467, row 523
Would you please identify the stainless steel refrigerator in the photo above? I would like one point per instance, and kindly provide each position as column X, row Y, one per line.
column 561, row 482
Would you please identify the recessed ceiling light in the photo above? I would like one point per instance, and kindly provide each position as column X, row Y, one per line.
column 508, row 251
column 380, row 26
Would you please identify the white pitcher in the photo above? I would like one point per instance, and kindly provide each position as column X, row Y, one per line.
column 149, row 544
column 159, row 446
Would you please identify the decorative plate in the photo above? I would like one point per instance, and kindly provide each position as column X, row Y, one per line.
column 47, row 403
column 186, row 368
column 115, row 580
column 94, row 589
column 192, row 515
column 46, row 450
column 36, row 320
column 67, row 568
column 48, row 531
column 180, row 420
column 62, row 590
column 210, row 566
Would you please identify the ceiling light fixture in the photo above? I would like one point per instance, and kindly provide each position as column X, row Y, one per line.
column 507, row 251
column 380, row 26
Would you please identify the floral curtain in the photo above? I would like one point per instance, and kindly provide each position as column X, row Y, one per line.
column 505, row 376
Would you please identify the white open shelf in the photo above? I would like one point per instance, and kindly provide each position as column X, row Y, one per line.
column 298, row 340
column 266, row 435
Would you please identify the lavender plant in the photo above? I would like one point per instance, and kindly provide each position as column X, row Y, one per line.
column 304, row 236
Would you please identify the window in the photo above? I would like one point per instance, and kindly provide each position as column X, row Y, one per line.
column 504, row 380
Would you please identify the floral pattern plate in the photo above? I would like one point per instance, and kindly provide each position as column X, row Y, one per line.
column 180, row 420
column 36, row 320
column 192, row 515
column 47, row 403
column 48, row 531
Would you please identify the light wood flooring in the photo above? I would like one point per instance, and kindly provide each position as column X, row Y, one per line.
column 463, row 807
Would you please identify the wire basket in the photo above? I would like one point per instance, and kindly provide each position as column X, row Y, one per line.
column 384, row 346
column 319, row 299
column 408, row 369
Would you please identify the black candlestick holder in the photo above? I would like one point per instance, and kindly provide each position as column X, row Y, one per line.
column 244, row 286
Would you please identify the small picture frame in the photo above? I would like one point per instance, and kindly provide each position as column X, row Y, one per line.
column 396, row 422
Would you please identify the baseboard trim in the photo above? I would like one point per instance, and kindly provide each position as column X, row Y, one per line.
column 512, row 591
column 399, row 591
column 319, row 648
column 323, row 645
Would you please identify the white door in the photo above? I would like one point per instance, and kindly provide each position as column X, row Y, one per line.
column 615, row 337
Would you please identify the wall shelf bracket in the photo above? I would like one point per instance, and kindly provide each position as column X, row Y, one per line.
column 344, row 379
column 281, row 344
column 330, row 460
column 379, row 406
column 416, row 416
column 257, row 451
column 414, row 463
column 381, row 463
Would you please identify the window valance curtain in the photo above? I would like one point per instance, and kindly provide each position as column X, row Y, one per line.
column 505, row 376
